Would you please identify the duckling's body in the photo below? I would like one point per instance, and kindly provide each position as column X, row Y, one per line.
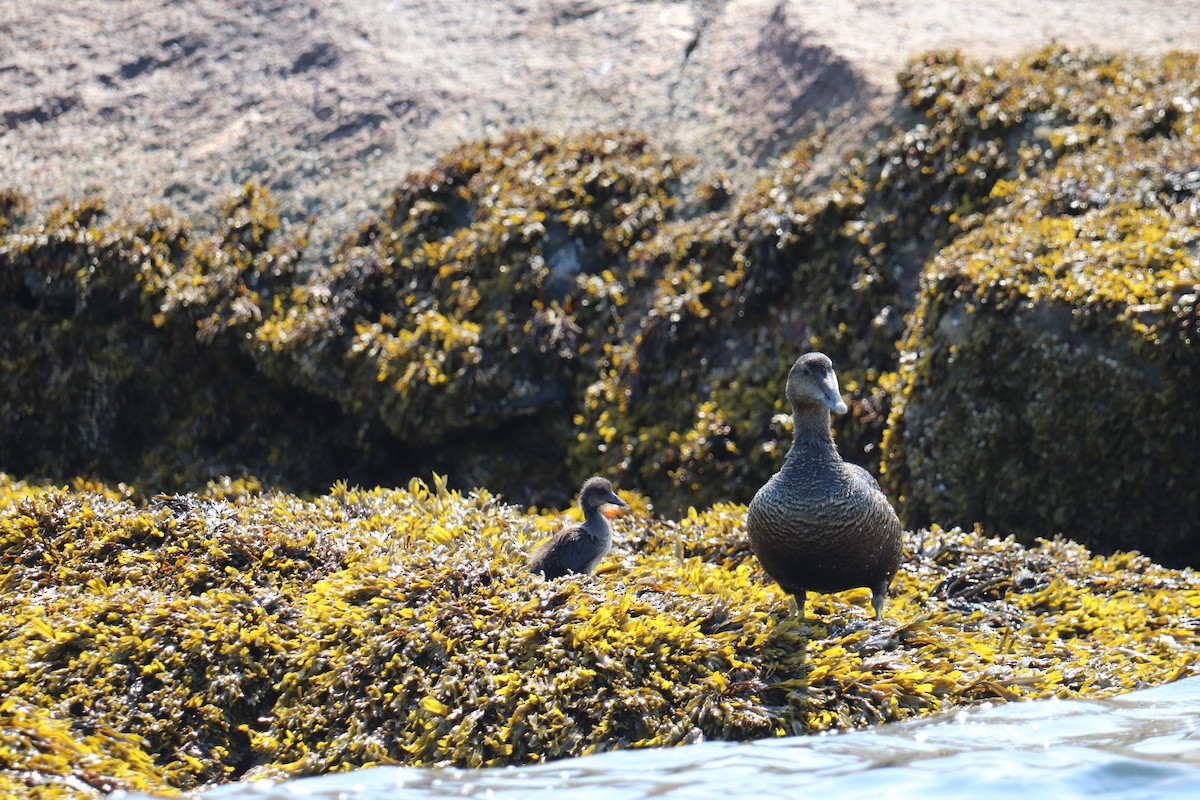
column 820, row 523
column 579, row 548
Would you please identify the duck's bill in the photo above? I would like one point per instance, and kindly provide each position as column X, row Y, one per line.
column 833, row 396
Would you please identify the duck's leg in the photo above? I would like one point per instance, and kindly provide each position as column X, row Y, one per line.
column 796, row 600
column 878, row 594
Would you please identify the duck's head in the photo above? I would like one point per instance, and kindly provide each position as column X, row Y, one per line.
column 598, row 492
column 812, row 382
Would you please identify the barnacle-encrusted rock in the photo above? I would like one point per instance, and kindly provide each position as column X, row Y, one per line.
column 1048, row 382
column 185, row 640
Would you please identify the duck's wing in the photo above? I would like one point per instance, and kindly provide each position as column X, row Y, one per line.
column 571, row 550
column 879, row 510
column 863, row 475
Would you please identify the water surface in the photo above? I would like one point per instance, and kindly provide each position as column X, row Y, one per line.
column 1141, row 745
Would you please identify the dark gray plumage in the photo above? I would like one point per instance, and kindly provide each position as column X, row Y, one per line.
column 820, row 523
column 579, row 548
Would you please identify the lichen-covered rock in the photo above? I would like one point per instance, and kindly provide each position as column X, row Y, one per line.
column 1048, row 381
column 181, row 641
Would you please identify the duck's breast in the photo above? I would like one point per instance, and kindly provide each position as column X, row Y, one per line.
column 824, row 534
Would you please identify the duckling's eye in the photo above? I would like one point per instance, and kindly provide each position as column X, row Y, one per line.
column 804, row 370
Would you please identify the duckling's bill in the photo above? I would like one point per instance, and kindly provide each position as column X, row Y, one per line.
column 612, row 512
column 614, row 507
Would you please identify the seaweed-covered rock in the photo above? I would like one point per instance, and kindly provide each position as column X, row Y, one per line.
column 469, row 317
column 1048, row 381
column 44, row 756
column 529, row 299
column 123, row 351
column 182, row 641
column 536, row 307
column 457, row 329
column 12, row 206
column 816, row 257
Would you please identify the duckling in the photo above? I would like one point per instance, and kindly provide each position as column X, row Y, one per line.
column 579, row 548
column 820, row 523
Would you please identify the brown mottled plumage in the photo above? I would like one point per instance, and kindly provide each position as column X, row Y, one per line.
column 579, row 548
column 822, row 524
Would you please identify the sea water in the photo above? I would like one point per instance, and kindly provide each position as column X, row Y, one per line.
column 1145, row 744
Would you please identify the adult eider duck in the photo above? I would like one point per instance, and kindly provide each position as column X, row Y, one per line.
column 579, row 548
column 821, row 524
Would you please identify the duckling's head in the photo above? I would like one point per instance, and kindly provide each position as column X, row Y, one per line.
column 597, row 492
column 812, row 382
